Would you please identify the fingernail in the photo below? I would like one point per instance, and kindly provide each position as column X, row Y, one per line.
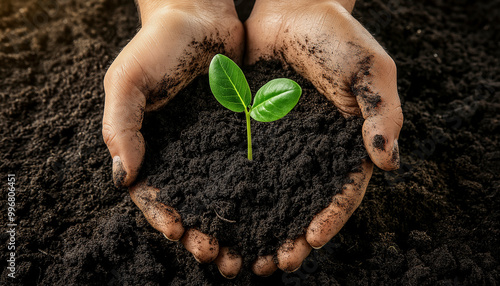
column 197, row 260
column 224, row 275
column 294, row 269
column 167, row 237
column 119, row 172
column 395, row 154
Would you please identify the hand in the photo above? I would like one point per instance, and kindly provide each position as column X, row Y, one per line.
column 325, row 44
column 175, row 44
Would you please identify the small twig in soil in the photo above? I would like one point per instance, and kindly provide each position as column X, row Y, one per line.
column 224, row 219
column 352, row 246
column 43, row 252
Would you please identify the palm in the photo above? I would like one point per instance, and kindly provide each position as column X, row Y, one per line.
column 171, row 40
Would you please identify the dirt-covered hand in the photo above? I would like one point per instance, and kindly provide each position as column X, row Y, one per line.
column 325, row 44
column 175, row 44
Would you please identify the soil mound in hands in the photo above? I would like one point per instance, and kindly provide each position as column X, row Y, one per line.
column 196, row 155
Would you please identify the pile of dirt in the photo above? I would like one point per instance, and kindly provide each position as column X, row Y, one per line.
column 434, row 222
column 196, row 155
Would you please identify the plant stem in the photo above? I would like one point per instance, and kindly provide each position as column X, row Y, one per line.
column 249, row 136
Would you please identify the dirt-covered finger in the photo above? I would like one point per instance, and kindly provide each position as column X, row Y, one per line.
column 204, row 248
column 264, row 266
column 229, row 262
column 329, row 221
column 375, row 88
column 163, row 218
column 292, row 253
column 122, row 121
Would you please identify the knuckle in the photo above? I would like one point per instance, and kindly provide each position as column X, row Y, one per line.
column 399, row 118
column 108, row 134
column 123, row 76
column 107, row 76
column 395, row 117
column 385, row 64
column 115, row 74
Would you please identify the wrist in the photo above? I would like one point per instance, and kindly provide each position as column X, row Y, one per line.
column 347, row 4
column 149, row 8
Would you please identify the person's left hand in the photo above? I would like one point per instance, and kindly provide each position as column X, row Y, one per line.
column 176, row 42
column 325, row 44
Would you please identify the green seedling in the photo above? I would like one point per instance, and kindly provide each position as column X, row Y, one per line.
column 230, row 87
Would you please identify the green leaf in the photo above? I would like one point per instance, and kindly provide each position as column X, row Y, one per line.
column 228, row 84
column 275, row 99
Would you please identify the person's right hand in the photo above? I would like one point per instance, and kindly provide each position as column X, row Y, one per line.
column 175, row 44
column 322, row 42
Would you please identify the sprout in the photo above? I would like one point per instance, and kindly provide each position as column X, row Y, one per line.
column 230, row 87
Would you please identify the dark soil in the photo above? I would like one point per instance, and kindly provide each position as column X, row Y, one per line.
column 200, row 163
column 434, row 222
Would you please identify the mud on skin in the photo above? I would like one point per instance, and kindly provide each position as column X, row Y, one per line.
column 360, row 81
column 191, row 65
column 201, row 169
column 119, row 172
column 345, row 84
column 379, row 142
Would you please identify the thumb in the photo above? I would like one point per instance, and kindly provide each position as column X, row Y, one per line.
column 122, row 121
column 375, row 88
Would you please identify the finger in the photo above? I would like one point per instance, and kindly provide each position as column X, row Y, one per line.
column 204, row 248
column 163, row 218
column 292, row 253
column 123, row 114
column 228, row 262
column 264, row 266
column 375, row 88
column 329, row 221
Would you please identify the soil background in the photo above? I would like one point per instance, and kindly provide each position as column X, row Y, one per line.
column 434, row 222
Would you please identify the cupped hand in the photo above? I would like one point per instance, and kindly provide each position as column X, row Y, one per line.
column 175, row 44
column 325, row 44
